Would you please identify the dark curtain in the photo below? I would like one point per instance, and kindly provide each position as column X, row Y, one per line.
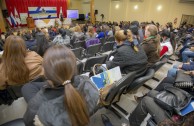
column 22, row 5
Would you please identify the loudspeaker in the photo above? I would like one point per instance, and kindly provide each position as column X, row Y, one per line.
column 5, row 13
column 81, row 17
column 96, row 11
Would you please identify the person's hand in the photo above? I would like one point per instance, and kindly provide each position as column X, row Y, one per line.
column 180, row 66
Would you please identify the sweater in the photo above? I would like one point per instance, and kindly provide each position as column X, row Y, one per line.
column 151, row 48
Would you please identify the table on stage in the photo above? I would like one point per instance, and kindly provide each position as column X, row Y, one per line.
column 40, row 23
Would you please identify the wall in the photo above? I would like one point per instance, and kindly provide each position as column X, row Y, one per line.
column 76, row 4
column 2, row 20
column 146, row 11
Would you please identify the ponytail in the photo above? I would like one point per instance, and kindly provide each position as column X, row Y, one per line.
column 75, row 105
column 129, row 35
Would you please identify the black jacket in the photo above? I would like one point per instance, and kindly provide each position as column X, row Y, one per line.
column 128, row 59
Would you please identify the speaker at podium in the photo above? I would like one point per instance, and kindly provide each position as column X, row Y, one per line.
column 30, row 22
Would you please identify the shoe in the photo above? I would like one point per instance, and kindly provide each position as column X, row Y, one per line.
column 138, row 99
column 106, row 120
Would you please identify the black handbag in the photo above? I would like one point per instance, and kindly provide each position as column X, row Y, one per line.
column 183, row 80
column 173, row 99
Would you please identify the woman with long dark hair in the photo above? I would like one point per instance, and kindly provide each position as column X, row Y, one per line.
column 62, row 100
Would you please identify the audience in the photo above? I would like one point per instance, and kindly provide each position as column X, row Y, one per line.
column 91, row 33
column 62, row 38
column 18, row 65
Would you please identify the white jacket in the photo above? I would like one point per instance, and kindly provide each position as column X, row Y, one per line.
column 169, row 45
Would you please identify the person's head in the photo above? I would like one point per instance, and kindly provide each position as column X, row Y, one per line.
column 165, row 34
column 13, row 60
column 91, row 31
column 62, row 32
column 151, row 30
column 125, row 35
column 59, row 67
column 42, row 44
column 78, row 28
column 134, row 29
column 135, row 23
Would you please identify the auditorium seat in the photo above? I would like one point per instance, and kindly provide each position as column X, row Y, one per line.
column 108, row 46
column 79, row 44
column 78, row 52
column 90, row 62
column 92, row 50
column 138, row 82
column 16, row 122
column 80, row 67
column 114, row 94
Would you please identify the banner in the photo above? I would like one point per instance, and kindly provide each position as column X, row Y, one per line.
column 23, row 17
column 42, row 12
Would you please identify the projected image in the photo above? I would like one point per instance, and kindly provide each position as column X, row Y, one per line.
column 72, row 14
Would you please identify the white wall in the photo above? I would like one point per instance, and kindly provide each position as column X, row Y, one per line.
column 146, row 11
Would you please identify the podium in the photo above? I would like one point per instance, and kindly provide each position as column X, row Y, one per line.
column 30, row 22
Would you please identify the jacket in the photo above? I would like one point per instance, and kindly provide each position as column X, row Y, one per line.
column 48, row 103
column 151, row 47
column 33, row 62
column 127, row 59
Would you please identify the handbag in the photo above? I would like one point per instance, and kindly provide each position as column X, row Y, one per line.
column 183, row 80
column 173, row 99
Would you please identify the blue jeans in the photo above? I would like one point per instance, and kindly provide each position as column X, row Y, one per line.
column 187, row 54
column 172, row 72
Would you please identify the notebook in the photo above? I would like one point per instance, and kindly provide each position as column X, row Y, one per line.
column 187, row 109
column 107, row 77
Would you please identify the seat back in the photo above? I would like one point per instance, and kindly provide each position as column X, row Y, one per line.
column 92, row 42
column 78, row 52
column 80, row 67
column 116, row 91
column 108, row 46
column 92, row 50
column 90, row 62
column 16, row 122
column 111, row 39
column 79, row 44
column 102, row 41
column 157, row 65
column 138, row 82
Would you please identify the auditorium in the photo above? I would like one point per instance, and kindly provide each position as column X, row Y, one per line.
column 96, row 62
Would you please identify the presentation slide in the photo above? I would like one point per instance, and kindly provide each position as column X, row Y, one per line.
column 73, row 14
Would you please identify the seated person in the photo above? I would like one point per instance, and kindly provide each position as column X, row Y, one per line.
column 166, row 46
column 91, row 33
column 78, row 35
column 18, row 65
column 151, row 44
column 185, row 66
column 100, row 32
column 63, row 99
column 187, row 53
column 148, row 105
column 128, row 56
column 62, row 38
column 30, row 42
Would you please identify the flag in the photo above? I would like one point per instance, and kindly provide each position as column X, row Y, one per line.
column 9, row 21
column 17, row 17
column 13, row 20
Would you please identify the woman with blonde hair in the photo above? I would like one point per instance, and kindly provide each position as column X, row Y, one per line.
column 151, row 44
column 91, row 33
column 18, row 65
column 78, row 35
column 128, row 56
